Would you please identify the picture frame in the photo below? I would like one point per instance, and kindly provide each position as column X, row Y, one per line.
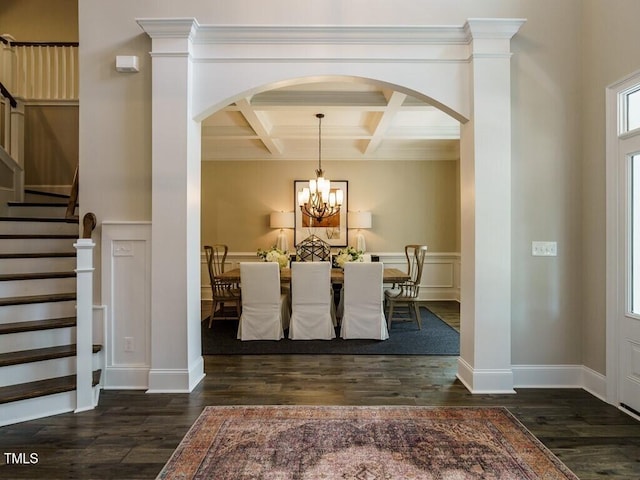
column 335, row 233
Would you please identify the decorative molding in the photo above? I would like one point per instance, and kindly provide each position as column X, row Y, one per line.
column 126, row 276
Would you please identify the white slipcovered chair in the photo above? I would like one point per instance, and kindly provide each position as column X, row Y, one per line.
column 265, row 311
column 312, row 308
column 363, row 315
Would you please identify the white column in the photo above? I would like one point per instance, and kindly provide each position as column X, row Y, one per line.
column 176, row 359
column 485, row 352
column 84, row 324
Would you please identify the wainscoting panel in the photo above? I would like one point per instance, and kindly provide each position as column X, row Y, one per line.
column 440, row 278
column 126, row 281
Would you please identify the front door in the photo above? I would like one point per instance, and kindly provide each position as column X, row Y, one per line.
column 629, row 251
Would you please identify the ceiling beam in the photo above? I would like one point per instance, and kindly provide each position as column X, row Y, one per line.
column 384, row 120
column 259, row 125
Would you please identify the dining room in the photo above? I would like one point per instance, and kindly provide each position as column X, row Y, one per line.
column 395, row 157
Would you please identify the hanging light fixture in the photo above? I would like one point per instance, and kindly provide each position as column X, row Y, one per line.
column 318, row 201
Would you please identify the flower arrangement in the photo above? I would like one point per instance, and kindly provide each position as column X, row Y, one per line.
column 348, row 254
column 274, row 254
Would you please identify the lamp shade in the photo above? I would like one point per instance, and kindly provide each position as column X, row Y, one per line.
column 359, row 220
column 281, row 220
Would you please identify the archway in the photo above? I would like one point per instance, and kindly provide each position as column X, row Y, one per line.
column 196, row 69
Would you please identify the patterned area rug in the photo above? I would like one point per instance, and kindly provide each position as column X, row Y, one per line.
column 361, row 443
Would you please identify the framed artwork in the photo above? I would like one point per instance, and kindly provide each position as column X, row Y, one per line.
column 332, row 230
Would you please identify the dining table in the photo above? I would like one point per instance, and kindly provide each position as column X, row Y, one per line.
column 389, row 275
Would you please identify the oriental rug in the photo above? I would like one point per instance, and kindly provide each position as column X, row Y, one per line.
column 361, row 443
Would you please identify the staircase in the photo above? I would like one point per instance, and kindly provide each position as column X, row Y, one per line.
column 38, row 310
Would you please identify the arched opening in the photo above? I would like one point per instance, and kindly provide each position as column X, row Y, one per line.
column 471, row 76
column 398, row 151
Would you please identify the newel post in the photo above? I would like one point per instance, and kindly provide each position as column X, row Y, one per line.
column 84, row 324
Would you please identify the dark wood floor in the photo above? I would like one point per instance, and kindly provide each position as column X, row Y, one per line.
column 131, row 434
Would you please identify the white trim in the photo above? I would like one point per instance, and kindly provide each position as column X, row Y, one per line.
column 485, row 381
column 176, row 380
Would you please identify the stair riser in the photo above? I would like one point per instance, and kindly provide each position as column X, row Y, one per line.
column 37, row 311
column 13, row 342
column 39, row 198
column 16, row 288
column 14, row 228
column 33, row 265
column 37, row 211
column 36, row 245
column 33, row 371
column 40, row 407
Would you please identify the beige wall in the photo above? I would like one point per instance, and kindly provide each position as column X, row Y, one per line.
column 564, row 56
column 40, row 20
column 51, row 145
column 410, row 201
column 610, row 54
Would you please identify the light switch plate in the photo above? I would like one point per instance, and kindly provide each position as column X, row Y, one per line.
column 544, row 249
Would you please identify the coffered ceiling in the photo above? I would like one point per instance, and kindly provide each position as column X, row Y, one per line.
column 362, row 122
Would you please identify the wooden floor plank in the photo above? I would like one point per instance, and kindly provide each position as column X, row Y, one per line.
column 131, row 434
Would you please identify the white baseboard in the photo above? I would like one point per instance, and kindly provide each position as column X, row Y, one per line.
column 177, row 380
column 485, row 381
column 560, row 376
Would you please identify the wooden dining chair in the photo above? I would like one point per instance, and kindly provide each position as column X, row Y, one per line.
column 363, row 315
column 222, row 292
column 406, row 294
column 312, row 307
column 265, row 310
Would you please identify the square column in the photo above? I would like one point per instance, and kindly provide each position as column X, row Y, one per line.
column 176, row 357
column 484, row 365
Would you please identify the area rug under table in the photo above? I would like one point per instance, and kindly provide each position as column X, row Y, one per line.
column 360, row 443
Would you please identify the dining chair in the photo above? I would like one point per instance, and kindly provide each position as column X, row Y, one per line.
column 406, row 294
column 312, row 307
column 222, row 292
column 363, row 315
column 265, row 310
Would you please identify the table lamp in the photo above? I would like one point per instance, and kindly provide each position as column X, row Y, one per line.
column 360, row 220
column 282, row 220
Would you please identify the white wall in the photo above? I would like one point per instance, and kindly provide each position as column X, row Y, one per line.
column 550, row 296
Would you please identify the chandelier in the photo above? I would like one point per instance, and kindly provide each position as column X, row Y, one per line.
column 318, row 201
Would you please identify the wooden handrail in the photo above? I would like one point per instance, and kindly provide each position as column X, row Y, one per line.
column 89, row 222
column 5, row 93
column 73, row 197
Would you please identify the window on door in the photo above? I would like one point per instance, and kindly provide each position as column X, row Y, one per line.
column 631, row 106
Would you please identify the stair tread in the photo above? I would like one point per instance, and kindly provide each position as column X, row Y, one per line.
column 40, row 354
column 5, row 277
column 36, row 325
column 40, row 388
column 40, row 219
column 37, row 236
column 38, row 204
column 56, row 297
column 38, row 255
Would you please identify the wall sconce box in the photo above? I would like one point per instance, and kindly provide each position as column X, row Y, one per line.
column 127, row 63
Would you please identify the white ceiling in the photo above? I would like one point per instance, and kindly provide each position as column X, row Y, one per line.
column 362, row 122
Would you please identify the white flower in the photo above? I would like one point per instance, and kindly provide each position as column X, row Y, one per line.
column 349, row 254
column 274, row 255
